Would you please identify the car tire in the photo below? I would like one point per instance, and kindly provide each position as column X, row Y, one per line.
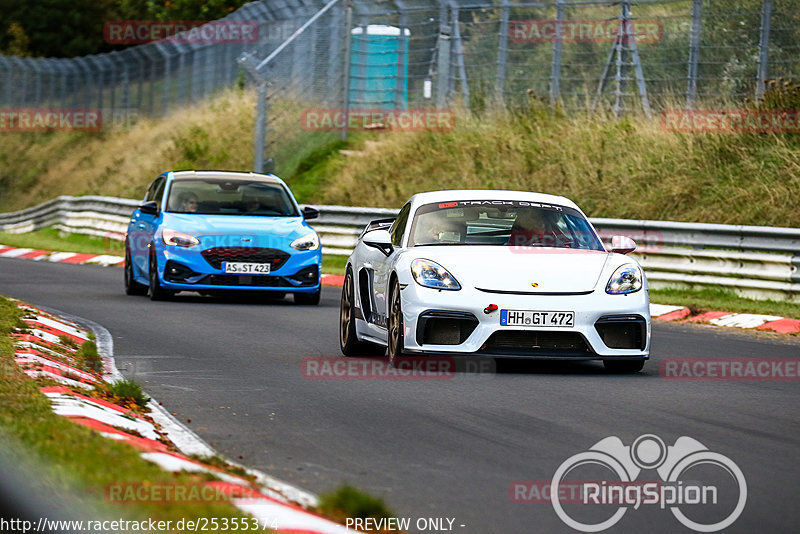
column 155, row 290
column 308, row 299
column 132, row 287
column 348, row 339
column 396, row 328
column 623, row 366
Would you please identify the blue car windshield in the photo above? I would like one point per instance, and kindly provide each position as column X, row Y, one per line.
column 518, row 224
column 230, row 197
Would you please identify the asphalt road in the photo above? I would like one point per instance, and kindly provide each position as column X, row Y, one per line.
column 232, row 370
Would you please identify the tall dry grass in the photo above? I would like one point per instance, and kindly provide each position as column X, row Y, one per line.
column 627, row 168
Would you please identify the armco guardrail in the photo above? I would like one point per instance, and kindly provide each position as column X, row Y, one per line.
column 757, row 261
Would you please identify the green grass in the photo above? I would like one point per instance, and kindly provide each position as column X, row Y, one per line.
column 55, row 240
column 73, row 461
column 88, row 357
column 334, row 264
column 130, row 391
column 349, row 502
column 624, row 168
column 701, row 300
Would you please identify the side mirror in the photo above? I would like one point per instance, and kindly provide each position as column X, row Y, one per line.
column 150, row 207
column 310, row 213
column 621, row 244
column 380, row 239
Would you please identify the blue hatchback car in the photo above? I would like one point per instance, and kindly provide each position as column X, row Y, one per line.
column 209, row 231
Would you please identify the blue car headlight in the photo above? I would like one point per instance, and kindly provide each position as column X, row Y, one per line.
column 626, row 279
column 174, row 238
column 430, row 274
column 306, row 242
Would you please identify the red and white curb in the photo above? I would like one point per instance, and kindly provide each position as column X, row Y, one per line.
column 60, row 257
column 46, row 349
column 782, row 325
column 105, row 260
column 661, row 312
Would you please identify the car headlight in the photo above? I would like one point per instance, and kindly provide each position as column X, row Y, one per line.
column 306, row 242
column 178, row 239
column 626, row 279
column 430, row 274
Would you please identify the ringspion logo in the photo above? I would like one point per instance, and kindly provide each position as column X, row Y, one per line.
column 692, row 478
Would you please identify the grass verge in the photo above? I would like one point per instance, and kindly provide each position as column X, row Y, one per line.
column 58, row 241
column 702, row 300
column 77, row 463
column 347, row 502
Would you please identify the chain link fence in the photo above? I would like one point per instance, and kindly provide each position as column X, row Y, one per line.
column 423, row 54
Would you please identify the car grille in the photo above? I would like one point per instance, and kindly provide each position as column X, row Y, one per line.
column 445, row 327
column 623, row 331
column 533, row 343
column 232, row 280
column 215, row 256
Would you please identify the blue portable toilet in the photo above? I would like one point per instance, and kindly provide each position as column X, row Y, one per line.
column 379, row 67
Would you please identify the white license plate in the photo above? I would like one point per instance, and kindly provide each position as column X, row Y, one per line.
column 537, row 318
column 245, row 268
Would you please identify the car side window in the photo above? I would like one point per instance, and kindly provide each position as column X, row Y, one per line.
column 159, row 193
column 151, row 191
column 399, row 226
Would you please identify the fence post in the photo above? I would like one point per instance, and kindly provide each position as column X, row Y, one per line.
column 261, row 127
column 502, row 53
column 402, row 59
column 348, row 43
column 763, row 48
column 694, row 52
column 443, row 65
column 555, row 70
column 462, row 68
column 334, row 54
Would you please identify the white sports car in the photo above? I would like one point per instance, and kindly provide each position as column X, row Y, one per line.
column 495, row 273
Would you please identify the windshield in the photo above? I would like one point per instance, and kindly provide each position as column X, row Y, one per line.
column 502, row 223
column 230, row 197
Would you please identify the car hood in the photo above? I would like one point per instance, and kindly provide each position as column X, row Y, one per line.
column 236, row 230
column 532, row 270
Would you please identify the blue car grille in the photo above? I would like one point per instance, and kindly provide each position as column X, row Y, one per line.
column 215, row 256
column 244, row 280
